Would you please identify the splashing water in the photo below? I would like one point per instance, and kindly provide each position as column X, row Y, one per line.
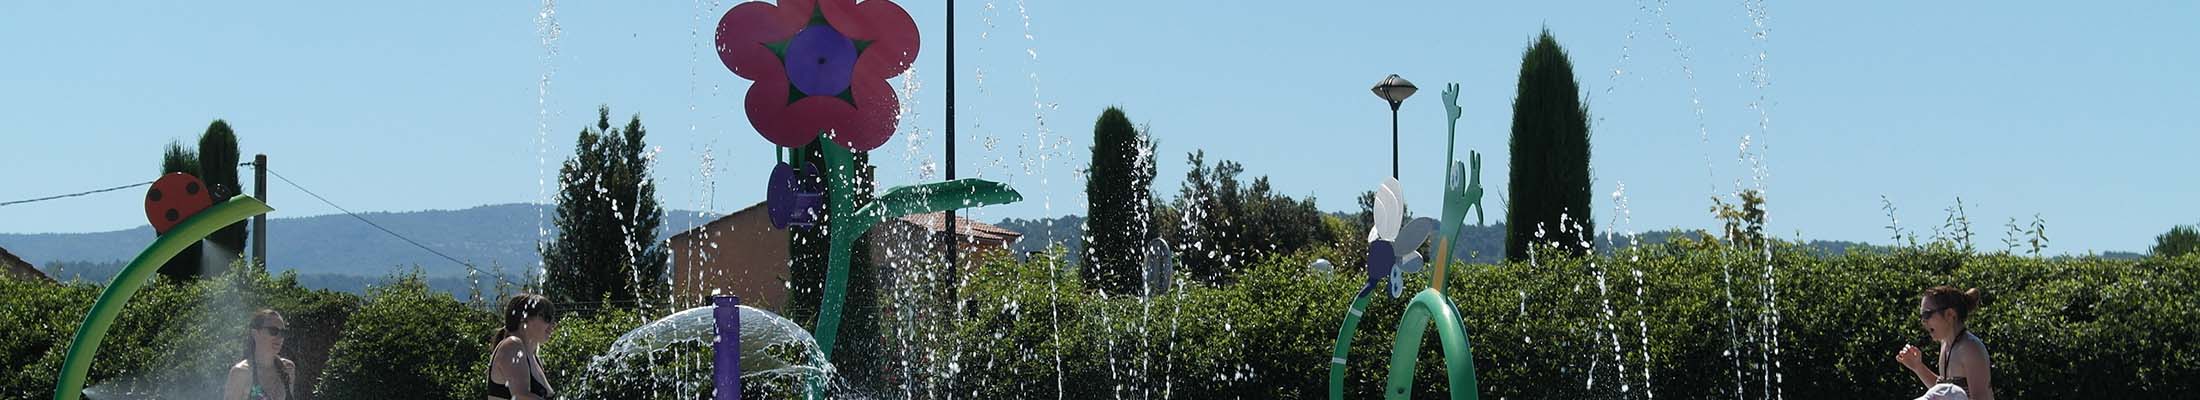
column 1753, row 318
column 674, row 353
column 1642, row 322
column 929, row 358
column 547, row 31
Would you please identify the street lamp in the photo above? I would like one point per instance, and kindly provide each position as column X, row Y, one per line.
column 1394, row 90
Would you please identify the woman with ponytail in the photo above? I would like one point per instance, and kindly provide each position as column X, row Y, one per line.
column 515, row 370
column 1963, row 360
column 264, row 374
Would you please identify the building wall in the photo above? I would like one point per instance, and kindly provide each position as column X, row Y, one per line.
column 905, row 244
column 749, row 260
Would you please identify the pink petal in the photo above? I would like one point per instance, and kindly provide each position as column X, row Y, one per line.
column 745, row 28
column 876, row 113
column 893, row 35
column 767, row 108
column 818, row 114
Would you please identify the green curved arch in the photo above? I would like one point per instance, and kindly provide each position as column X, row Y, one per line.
column 102, row 315
column 1431, row 306
column 1344, row 343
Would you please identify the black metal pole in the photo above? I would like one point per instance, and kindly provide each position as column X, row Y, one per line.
column 259, row 222
column 954, row 241
column 1393, row 140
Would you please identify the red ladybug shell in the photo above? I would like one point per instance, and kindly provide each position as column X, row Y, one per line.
column 173, row 198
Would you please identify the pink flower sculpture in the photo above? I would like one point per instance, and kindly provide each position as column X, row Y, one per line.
column 820, row 66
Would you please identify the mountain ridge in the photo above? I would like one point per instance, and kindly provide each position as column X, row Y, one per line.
column 484, row 236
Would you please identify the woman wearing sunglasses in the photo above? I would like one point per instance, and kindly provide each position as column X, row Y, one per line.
column 1963, row 360
column 515, row 366
column 264, row 374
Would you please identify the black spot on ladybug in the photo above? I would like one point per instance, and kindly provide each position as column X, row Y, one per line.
column 172, row 215
column 191, row 188
column 152, row 195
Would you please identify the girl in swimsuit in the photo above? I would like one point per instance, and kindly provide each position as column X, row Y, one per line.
column 1963, row 359
column 264, row 374
column 515, row 369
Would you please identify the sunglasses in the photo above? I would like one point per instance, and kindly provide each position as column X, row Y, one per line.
column 1928, row 314
column 275, row 330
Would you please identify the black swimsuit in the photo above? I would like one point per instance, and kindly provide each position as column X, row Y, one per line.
column 534, row 386
column 1959, row 381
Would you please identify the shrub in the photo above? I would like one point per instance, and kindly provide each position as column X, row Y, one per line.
column 175, row 339
column 1691, row 319
column 579, row 339
column 410, row 341
column 1709, row 322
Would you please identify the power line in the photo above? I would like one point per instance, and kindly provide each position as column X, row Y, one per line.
column 77, row 194
column 364, row 219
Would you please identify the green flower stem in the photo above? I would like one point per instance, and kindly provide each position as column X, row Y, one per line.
column 847, row 223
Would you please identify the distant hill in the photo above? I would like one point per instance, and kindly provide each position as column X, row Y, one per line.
column 456, row 285
column 486, row 236
column 339, row 252
column 1485, row 243
column 1039, row 234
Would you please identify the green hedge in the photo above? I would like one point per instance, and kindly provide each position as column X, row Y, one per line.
column 2068, row 328
column 175, row 339
column 579, row 339
column 411, row 341
column 1700, row 328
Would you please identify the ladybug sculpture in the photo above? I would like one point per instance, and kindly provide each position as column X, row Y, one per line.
column 174, row 198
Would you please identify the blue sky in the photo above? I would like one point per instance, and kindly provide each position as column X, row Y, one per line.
column 2081, row 115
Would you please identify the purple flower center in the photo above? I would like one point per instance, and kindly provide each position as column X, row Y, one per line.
column 820, row 61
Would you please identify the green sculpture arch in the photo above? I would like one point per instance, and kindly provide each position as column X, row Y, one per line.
column 1431, row 307
column 1462, row 193
column 70, row 386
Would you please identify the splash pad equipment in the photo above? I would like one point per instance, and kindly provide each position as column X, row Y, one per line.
column 187, row 230
column 819, row 69
column 1390, row 255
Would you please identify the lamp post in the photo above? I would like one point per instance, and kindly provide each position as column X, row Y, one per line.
column 1394, row 90
column 954, row 246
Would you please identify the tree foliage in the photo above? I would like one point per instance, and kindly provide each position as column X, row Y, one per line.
column 410, row 341
column 214, row 162
column 218, row 157
column 1745, row 224
column 180, row 158
column 1218, row 225
column 2179, row 241
column 1119, row 195
column 607, row 219
column 1549, row 187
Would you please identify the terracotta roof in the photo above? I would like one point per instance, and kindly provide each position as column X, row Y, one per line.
column 10, row 264
column 971, row 228
column 723, row 219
